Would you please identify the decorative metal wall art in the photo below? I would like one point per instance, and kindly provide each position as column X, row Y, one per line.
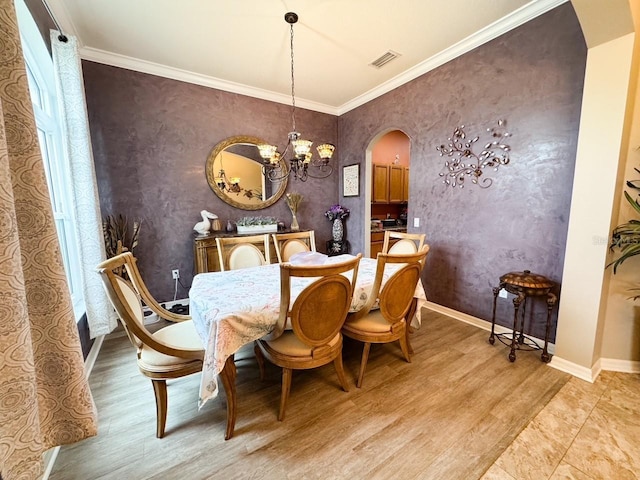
column 465, row 163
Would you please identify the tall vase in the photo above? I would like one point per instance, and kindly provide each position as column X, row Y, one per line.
column 337, row 231
column 294, row 223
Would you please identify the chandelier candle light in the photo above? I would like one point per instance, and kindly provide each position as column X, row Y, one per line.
column 232, row 185
column 301, row 163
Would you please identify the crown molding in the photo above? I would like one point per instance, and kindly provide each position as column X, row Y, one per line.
column 518, row 17
column 138, row 65
column 524, row 14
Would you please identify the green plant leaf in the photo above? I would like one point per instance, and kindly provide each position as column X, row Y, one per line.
column 634, row 203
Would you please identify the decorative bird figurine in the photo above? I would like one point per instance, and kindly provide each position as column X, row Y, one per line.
column 204, row 226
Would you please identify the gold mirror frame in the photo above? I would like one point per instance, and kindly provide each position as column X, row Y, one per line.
column 211, row 174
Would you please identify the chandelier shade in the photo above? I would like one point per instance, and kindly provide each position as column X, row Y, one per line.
column 228, row 184
column 298, row 152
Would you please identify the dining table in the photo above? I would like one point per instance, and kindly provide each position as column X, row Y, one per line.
column 233, row 308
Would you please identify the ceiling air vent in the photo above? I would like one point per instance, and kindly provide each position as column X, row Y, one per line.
column 384, row 58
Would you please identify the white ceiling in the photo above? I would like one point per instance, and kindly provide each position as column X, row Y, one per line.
column 243, row 45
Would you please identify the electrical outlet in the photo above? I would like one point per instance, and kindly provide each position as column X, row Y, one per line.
column 503, row 293
column 416, row 222
column 175, row 274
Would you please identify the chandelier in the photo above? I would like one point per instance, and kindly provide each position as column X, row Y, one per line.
column 228, row 184
column 232, row 185
column 300, row 161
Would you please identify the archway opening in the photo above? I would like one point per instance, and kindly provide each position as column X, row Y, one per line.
column 388, row 159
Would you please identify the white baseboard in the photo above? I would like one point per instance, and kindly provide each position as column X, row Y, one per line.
column 584, row 373
column 93, row 355
column 623, row 366
column 480, row 323
column 49, row 461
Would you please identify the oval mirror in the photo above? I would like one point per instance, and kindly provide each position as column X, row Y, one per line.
column 235, row 174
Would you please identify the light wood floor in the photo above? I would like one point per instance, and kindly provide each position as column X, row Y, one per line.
column 449, row 414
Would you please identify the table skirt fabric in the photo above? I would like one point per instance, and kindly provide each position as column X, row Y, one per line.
column 233, row 308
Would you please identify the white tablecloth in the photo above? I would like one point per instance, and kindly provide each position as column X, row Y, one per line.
column 233, row 308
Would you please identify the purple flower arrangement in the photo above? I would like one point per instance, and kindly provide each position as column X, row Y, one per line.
column 337, row 211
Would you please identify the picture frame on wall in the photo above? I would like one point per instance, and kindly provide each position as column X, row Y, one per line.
column 351, row 180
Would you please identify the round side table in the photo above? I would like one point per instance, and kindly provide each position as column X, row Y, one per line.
column 522, row 285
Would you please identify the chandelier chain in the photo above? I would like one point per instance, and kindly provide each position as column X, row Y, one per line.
column 293, row 90
column 300, row 163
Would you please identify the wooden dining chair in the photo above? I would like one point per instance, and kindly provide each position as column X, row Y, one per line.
column 171, row 352
column 390, row 321
column 315, row 319
column 407, row 242
column 243, row 252
column 288, row 244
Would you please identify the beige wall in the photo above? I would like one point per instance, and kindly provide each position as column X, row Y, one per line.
column 584, row 329
column 621, row 339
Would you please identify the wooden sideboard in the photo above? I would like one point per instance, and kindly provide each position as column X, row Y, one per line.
column 205, row 250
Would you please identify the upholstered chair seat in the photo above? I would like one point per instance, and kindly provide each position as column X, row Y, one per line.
column 182, row 336
column 289, row 344
column 374, row 322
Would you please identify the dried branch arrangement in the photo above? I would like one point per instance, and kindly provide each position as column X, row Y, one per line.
column 293, row 201
column 116, row 237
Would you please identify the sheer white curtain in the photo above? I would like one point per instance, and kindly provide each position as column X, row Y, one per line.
column 68, row 71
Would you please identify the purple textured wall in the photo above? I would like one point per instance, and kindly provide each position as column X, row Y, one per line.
column 151, row 138
column 533, row 78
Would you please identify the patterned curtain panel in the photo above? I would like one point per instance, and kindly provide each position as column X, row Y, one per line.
column 44, row 395
column 66, row 63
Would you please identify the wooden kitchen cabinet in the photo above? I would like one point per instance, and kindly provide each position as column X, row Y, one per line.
column 377, row 240
column 380, row 192
column 388, row 183
column 405, row 185
column 396, row 183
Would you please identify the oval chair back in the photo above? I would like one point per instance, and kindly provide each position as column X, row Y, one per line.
column 288, row 244
column 243, row 252
column 329, row 295
column 407, row 242
column 397, row 294
column 245, row 256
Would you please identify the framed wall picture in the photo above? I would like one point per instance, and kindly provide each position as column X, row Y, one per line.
column 351, row 180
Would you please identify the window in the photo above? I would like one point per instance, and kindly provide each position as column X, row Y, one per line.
column 41, row 79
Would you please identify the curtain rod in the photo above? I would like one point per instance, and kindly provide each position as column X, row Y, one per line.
column 62, row 37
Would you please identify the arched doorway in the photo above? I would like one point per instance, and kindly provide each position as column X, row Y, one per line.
column 388, row 158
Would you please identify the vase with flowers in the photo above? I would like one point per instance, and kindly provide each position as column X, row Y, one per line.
column 337, row 213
